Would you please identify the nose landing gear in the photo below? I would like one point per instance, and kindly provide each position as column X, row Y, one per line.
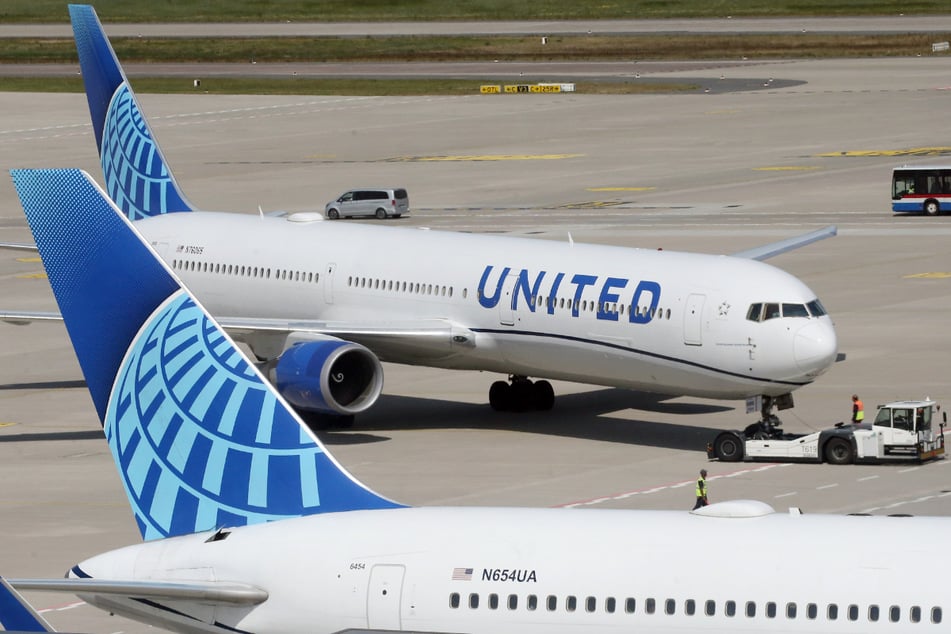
column 521, row 394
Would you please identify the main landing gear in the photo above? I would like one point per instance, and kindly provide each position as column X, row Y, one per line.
column 521, row 394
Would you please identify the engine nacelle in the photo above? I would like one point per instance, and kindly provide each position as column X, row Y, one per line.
column 329, row 375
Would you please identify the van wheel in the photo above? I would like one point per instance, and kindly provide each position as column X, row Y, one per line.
column 333, row 214
column 380, row 214
column 932, row 208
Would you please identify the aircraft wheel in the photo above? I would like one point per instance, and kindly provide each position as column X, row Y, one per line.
column 932, row 208
column 381, row 214
column 522, row 395
column 838, row 451
column 544, row 395
column 500, row 396
column 333, row 214
column 728, row 447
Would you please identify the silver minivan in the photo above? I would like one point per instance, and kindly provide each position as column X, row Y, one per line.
column 381, row 202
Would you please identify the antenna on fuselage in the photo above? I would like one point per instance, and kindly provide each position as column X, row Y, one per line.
column 571, row 241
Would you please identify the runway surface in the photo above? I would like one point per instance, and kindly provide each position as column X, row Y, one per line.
column 717, row 172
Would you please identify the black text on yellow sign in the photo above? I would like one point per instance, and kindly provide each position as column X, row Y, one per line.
column 490, row 90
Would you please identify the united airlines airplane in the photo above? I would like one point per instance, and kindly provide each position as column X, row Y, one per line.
column 321, row 303
column 251, row 526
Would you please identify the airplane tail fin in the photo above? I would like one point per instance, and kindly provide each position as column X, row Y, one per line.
column 201, row 440
column 16, row 615
column 136, row 174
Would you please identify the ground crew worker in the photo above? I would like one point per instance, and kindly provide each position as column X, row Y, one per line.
column 701, row 490
column 858, row 410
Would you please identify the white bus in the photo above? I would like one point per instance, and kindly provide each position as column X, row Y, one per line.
column 924, row 188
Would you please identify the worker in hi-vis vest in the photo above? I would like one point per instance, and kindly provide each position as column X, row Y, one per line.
column 858, row 410
column 701, row 490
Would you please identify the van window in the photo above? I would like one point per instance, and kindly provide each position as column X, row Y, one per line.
column 400, row 194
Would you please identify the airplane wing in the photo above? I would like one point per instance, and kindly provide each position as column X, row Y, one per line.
column 424, row 338
column 776, row 248
column 19, row 246
column 205, row 591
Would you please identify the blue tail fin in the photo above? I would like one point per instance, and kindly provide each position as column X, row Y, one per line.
column 200, row 439
column 16, row 615
column 137, row 177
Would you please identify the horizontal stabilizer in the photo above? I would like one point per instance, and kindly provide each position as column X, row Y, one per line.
column 209, row 591
column 783, row 246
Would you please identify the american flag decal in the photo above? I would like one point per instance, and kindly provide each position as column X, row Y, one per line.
column 462, row 574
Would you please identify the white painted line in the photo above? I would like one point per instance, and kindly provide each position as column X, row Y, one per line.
column 909, row 469
column 827, row 486
column 867, row 478
column 785, row 495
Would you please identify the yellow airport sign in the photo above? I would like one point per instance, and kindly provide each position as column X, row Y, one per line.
column 490, row 90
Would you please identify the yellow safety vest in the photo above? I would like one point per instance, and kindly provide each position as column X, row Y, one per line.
column 701, row 487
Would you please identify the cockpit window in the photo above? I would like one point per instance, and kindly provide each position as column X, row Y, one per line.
column 765, row 311
column 795, row 310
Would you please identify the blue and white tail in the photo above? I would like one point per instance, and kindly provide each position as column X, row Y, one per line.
column 200, row 438
column 16, row 615
column 137, row 177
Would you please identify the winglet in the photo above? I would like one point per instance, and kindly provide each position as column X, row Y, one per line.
column 137, row 176
column 201, row 440
column 16, row 615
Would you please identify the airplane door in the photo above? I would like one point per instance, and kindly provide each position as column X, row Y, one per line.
column 506, row 313
column 329, row 283
column 383, row 597
column 693, row 320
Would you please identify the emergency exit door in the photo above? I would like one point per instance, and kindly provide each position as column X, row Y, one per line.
column 383, row 597
column 693, row 320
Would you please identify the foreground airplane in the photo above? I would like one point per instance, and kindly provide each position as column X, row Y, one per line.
column 321, row 303
column 252, row 526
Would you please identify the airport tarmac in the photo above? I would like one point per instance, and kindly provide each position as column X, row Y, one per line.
column 717, row 172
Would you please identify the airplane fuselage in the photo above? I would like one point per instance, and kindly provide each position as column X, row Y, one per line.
column 553, row 570
column 660, row 321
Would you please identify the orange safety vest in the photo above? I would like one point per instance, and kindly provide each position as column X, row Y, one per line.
column 859, row 414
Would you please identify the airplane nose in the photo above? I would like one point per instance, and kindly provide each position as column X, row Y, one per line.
column 815, row 347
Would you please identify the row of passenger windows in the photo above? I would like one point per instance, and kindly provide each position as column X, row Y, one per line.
column 260, row 272
column 416, row 288
column 690, row 607
column 774, row 310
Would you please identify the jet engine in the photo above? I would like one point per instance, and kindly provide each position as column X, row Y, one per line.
column 329, row 376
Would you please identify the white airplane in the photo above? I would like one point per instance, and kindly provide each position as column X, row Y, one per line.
column 251, row 526
column 321, row 303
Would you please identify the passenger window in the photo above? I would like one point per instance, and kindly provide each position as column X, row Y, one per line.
column 750, row 609
column 629, row 605
column 513, row 602
column 670, row 606
column 690, row 607
column 812, row 610
column 771, row 610
column 571, row 603
column 730, row 608
column 832, row 613
column 894, row 614
column 454, row 600
column 873, row 613
column 790, row 610
column 915, row 614
column 935, row 615
column 552, row 603
column 710, row 608
column 853, row 612
column 650, row 605
column 590, row 604
column 610, row 605
column 473, row 601
column 493, row 601
column 532, row 602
